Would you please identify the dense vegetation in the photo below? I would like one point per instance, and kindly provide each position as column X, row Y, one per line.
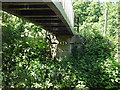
column 27, row 62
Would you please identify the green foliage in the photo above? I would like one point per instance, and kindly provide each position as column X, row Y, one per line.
column 97, row 64
column 97, row 58
column 80, row 11
column 86, row 12
column 91, row 14
column 113, row 16
column 24, row 44
column 27, row 63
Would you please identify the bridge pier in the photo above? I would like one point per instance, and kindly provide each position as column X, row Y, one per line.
column 65, row 45
column 68, row 45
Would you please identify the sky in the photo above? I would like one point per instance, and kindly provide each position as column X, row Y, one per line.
column 104, row 0
column 107, row 0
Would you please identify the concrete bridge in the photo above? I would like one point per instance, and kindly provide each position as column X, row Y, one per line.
column 55, row 16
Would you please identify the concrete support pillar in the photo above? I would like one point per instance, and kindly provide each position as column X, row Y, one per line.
column 68, row 45
column 64, row 45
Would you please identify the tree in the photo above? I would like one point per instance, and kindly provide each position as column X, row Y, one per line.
column 86, row 12
column 80, row 13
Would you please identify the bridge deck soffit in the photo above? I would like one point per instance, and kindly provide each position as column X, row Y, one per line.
column 50, row 15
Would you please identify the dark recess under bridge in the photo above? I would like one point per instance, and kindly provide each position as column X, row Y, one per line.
column 55, row 16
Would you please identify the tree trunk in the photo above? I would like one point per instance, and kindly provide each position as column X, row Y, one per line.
column 78, row 19
column 105, row 25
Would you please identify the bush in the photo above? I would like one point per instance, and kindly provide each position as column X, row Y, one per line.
column 27, row 64
column 96, row 62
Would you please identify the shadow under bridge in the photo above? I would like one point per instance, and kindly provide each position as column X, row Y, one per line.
column 55, row 16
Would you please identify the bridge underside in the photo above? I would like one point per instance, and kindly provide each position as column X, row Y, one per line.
column 45, row 14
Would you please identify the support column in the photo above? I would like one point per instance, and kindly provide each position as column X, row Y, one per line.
column 65, row 45
column 69, row 45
